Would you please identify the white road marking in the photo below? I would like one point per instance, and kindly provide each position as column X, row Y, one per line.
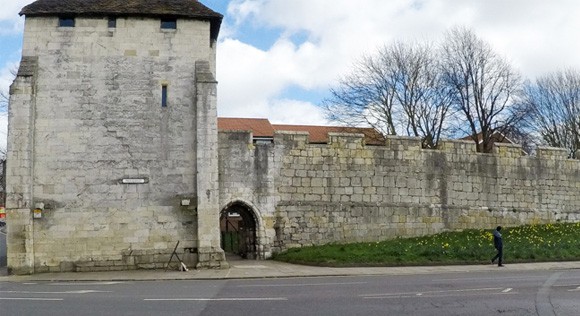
column 434, row 295
column 573, row 290
column 432, row 292
column 565, row 285
column 85, row 283
column 65, row 292
column 299, row 284
column 489, row 279
column 220, row 299
column 507, row 290
column 29, row 299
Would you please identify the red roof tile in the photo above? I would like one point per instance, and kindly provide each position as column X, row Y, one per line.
column 259, row 127
column 318, row 134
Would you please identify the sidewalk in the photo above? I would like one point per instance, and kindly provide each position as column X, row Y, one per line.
column 246, row 269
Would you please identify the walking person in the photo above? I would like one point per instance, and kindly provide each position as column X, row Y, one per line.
column 498, row 244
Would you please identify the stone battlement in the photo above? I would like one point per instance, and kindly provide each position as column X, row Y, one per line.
column 405, row 143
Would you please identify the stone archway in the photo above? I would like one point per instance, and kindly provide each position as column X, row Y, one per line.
column 238, row 227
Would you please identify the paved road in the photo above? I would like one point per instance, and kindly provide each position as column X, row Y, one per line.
column 496, row 292
column 2, row 247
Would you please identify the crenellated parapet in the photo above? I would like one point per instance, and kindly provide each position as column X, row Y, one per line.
column 291, row 139
column 346, row 140
column 551, row 153
column 508, row 150
column 403, row 143
column 457, row 148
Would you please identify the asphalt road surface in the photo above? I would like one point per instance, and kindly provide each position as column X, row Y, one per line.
column 500, row 292
column 2, row 248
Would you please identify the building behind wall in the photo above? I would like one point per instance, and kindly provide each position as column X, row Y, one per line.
column 112, row 134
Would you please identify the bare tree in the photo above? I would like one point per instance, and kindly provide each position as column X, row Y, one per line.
column 484, row 86
column 553, row 101
column 419, row 91
column 4, row 101
column 4, row 96
column 520, row 135
column 396, row 91
column 364, row 97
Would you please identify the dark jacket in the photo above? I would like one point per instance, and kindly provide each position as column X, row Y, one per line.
column 497, row 240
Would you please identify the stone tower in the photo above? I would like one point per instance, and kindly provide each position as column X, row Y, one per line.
column 112, row 145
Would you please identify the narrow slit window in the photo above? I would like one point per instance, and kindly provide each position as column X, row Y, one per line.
column 169, row 24
column 112, row 23
column 163, row 96
column 66, row 21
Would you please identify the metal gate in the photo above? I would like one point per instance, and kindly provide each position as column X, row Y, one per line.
column 238, row 231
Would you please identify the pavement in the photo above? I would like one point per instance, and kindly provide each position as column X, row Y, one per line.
column 255, row 269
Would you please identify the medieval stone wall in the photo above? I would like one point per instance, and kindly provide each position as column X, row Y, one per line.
column 345, row 191
column 87, row 115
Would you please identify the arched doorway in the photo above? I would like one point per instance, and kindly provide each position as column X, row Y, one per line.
column 238, row 231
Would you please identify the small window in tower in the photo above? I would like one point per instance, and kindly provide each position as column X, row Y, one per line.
column 163, row 96
column 112, row 22
column 66, row 21
column 169, row 24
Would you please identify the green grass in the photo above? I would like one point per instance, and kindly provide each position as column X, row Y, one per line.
column 530, row 243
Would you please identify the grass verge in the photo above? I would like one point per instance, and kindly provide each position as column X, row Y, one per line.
column 530, row 243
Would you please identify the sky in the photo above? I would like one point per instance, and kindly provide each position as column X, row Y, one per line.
column 277, row 59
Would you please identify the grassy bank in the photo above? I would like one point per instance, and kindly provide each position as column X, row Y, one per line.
column 531, row 243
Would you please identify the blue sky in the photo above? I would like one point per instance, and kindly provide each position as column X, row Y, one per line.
column 278, row 58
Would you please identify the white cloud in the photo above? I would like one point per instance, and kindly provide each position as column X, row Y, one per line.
column 537, row 36
column 251, row 79
column 337, row 33
column 286, row 111
column 347, row 28
column 10, row 24
column 10, row 21
column 6, row 77
column 3, row 131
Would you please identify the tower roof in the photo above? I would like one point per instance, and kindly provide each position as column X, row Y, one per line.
column 175, row 8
